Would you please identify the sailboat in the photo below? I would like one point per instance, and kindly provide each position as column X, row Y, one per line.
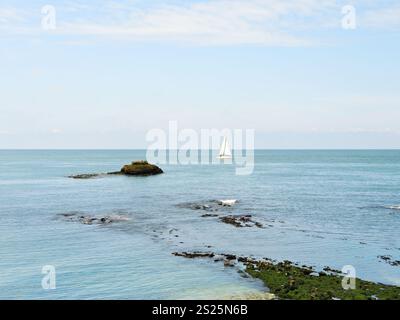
column 225, row 151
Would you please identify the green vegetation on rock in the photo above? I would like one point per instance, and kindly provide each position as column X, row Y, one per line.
column 136, row 168
column 288, row 281
column 141, row 168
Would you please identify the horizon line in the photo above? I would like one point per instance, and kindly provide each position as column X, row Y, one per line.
column 255, row 149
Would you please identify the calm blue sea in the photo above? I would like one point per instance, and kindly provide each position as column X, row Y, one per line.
column 322, row 208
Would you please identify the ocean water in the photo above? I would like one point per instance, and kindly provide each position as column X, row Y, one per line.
column 322, row 208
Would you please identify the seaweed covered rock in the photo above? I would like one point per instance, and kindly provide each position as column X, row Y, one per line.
column 140, row 168
column 287, row 280
column 136, row 168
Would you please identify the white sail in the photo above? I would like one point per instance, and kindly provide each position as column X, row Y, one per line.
column 223, row 146
column 225, row 151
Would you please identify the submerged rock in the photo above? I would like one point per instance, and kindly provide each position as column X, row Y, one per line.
column 86, row 176
column 241, row 221
column 229, row 256
column 209, row 205
column 229, row 263
column 192, row 255
column 89, row 220
column 202, row 206
column 209, row 215
column 390, row 260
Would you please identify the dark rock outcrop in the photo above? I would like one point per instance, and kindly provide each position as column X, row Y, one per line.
column 192, row 255
column 240, row 221
column 390, row 260
column 90, row 220
column 136, row 168
column 209, row 205
column 139, row 168
column 209, row 215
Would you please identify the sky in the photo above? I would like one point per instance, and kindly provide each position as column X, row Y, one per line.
column 101, row 74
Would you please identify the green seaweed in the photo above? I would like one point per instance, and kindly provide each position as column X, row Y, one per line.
column 288, row 281
column 141, row 168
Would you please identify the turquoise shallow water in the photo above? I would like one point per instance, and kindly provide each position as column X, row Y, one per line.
column 321, row 208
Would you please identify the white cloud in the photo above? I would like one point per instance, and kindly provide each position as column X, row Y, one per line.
column 56, row 131
column 9, row 14
column 366, row 100
column 386, row 18
column 207, row 22
column 15, row 21
column 266, row 22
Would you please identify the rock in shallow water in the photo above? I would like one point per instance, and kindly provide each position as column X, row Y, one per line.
column 390, row 260
column 240, row 221
column 86, row 176
column 209, row 205
column 139, row 168
column 89, row 220
column 136, row 168
column 192, row 255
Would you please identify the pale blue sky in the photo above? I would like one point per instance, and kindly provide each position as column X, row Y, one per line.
column 112, row 70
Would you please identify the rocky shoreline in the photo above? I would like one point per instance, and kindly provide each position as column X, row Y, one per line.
column 289, row 281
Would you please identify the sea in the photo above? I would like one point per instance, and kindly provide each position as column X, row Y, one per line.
column 320, row 208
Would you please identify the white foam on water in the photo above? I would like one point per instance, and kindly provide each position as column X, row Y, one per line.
column 118, row 217
column 228, row 203
column 396, row 207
